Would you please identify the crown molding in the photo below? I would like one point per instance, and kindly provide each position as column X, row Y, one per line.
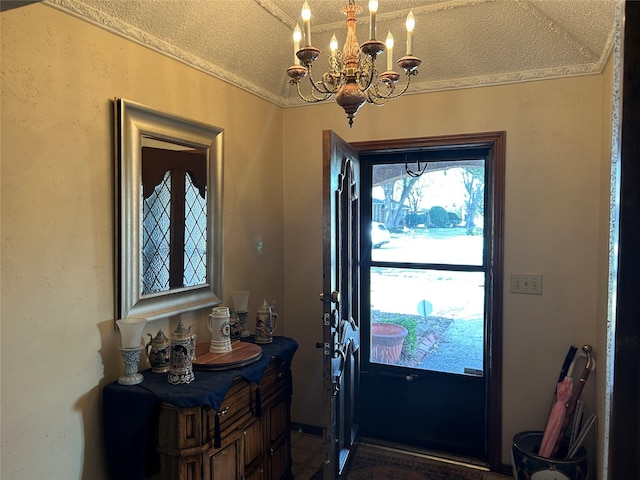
column 593, row 64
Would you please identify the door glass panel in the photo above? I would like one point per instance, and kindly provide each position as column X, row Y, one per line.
column 435, row 218
column 427, row 265
column 428, row 319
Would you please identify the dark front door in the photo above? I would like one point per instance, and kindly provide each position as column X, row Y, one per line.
column 341, row 287
column 431, row 283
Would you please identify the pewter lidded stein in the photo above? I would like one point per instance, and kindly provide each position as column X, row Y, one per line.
column 265, row 323
column 159, row 352
column 183, row 353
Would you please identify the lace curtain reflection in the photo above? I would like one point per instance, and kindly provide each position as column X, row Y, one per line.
column 156, row 224
column 195, row 236
column 156, row 237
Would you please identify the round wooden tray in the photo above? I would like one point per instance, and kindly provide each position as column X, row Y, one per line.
column 242, row 353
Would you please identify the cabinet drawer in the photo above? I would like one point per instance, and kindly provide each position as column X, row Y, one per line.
column 276, row 377
column 235, row 406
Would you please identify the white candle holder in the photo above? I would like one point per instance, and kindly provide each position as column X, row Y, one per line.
column 131, row 376
column 242, row 316
column 241, row 307
column 240, row 300
column 131, row 335
column 131, row 331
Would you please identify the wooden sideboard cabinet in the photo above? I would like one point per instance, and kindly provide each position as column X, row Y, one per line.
column 225, row 425
column 247, row 439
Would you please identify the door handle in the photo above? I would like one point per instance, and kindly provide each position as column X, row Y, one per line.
column 412, row 377
column 333, row 297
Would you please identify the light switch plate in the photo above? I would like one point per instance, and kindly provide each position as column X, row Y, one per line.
column 528, row 283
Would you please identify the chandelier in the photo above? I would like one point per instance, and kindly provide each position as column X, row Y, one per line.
column 352, row 76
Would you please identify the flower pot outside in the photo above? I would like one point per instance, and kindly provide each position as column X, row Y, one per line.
column 387, row 340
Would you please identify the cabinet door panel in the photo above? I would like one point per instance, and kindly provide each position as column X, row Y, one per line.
column 279, row 461
column 257, row 474
column 252, row 442
column 278, row 420
column 223, row 464
column 279, row 441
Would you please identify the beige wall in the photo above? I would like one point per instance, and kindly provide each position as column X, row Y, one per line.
column 552, row 222
column 59, row 348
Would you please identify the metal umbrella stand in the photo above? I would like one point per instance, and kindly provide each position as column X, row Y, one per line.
column 551, row 451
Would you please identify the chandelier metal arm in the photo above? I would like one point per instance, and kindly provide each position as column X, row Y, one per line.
column 314, row 97
column 328, row 84
column 366, row 72
column 319, row 91
column 376, row 97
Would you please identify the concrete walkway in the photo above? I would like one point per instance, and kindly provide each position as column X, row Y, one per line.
column 460, row 348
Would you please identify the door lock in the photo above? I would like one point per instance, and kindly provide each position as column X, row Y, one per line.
column 326, row 350
column 333, row 297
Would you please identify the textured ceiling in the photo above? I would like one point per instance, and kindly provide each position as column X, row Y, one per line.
column 462, row 43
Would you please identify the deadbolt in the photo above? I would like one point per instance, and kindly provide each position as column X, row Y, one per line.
column 333, row 297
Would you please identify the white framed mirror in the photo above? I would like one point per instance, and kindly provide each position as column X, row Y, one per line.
column 168, row 213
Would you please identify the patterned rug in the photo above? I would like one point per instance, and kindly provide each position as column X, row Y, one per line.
column 371, row 462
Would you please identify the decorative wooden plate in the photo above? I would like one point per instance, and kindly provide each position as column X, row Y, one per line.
column 242, row 354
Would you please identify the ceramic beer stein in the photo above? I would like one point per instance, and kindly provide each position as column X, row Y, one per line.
column 183, row 353
column 159, row 352
column 266, row 322
column 218, row 324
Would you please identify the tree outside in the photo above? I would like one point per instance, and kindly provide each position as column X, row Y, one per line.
column 446, row 194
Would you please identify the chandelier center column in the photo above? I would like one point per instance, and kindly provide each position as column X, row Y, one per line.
column 350, row 97
column 351, row 50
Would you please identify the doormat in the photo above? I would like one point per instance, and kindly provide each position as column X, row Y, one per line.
column 371, row 462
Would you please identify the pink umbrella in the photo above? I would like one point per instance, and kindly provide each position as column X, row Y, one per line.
column 571, row 404
column 554, row 427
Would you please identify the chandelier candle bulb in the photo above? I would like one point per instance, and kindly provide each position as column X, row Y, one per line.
column 297, row 36
column 306, row 18
column 389, row 44
column 411, row 23
column 333, row 46
column 373, row 8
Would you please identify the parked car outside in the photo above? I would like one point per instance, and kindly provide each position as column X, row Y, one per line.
column 379, row 234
